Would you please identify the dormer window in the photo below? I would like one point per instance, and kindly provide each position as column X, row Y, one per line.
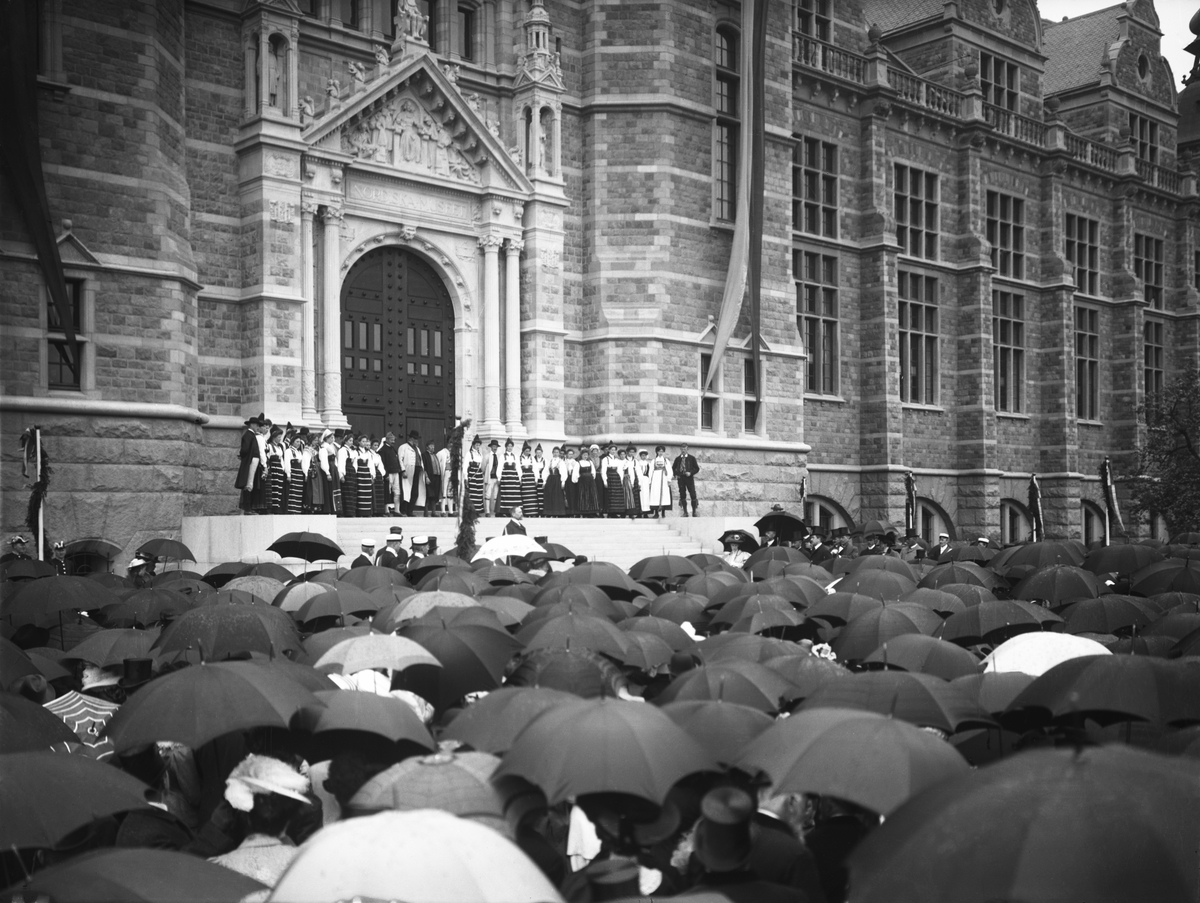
column 1000, row 81
column 1144, row 133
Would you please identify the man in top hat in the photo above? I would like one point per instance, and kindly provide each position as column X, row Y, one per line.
column 725, row 857
column 391, row 470
column 392, row 555
column 491, row 478
column 364, row 560
column 685, row 467
column 818, row 551
column 412, row 475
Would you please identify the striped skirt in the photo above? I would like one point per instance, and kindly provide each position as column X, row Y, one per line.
column 350, row 491
column 276, row 486
column 616, row 491
column 380, row 495
column 510, row 488
column 366, row 491
column 475, row 485
column 529, row 493
column 295, row 491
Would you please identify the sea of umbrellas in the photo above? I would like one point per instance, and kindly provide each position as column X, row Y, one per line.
column 1021, row 724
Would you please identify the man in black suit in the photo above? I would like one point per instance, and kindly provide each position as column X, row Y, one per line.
column 392, row 555
column 942, row 547
column 818, row 551
column 391, row 469
column 364, row 560
column 248, row 461
column 685, row 468
column 515, row 526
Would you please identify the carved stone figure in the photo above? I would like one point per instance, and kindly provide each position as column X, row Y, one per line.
column 411, row 21
column 382, row 58
column 274, row 66
column 333, row 88
column 358, row 73
column 307, row 109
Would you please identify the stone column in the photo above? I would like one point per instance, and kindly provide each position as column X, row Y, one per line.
column 491, row 335
column 308, row 324
column 512, row 339
column 331, row 398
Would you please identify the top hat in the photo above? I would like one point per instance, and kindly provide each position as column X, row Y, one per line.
column 613, row 879
column 818, row 531
column 33, row 687
column 723, row 834
column 135, row 672
column 414, row 434
column 494, row 444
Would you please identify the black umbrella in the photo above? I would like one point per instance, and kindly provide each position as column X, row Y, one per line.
column 166, row 548
column 785, row 524
column 307, row 546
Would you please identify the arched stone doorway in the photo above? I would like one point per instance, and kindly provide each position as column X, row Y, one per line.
column 397, row 347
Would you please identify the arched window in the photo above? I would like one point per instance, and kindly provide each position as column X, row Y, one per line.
column 727, row 128
column 1015, row 521
column 825, row 513
column 1093, row 522
column 932, row 520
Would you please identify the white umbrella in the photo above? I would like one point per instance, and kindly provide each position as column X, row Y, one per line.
column 515, row 546
column 1036, row 653
column 375, row 650
column 422, row 856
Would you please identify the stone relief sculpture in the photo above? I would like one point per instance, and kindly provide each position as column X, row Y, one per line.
column 358, row 73
column 307, row 109
column 382, row 57
column 274, row 67
column 401, row 133
column 411, row 21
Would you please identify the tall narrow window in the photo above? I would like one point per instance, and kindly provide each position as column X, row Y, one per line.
column 726, row 136
column 918, row 339
column 1083, row 252
column 815, row 187
column 916, row 210
column 1000, row 81
column 709, row 399
column 467, row 22
column 817, row 318
column 1006, row 233
column 750, row 406
column 1154, row 353
column 430, row 10
column 1196, row 271
column 1148, row 267
column 1144, row 134
column 1008, row 351
column 62, row 372
column 1087, row 363
column 814, row 19
column 349, row 13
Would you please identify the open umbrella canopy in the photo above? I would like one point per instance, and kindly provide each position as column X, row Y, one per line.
column 260, row 586
column 1037, row 653
column 1109, row 688
column 456, row 782
column 808, row 673
column 994, row 691
column 936, row 600
column 783, row 554
column 1058, row 826
column 148, row 606
column 881, row 584
column 14, row 663
column 161, row 547
column 443, row 859
column 878, row 528
column 173, row 576
column 1108, row 614
column 472, row 656
column 338, row 601
column 490, row 724
column 28, row 569
column 869, row 759
column 40, row 601
column 225, row 596
column 26, row 726
column 306, row 546
column 215, row 632
column 579, row 593
column 610, row 578
column 371, row 578
column 968, row 593
column 501, row 575
column 1039, row 555
column 815, row 572
column 722, row 728
column 508, row 546
column 968, row 552
column 1172, row 575
column 292, row 597
column 575, row 630
column 881, row 563
column 374, row 650
column 360, row 710
column 604, row 746
column 870, row 630
column 45, row 796
column 107, row 648
column 664, row 568
column 919, row 699
column 1122, row 558
column 995, row 622
column 1054, row 583
column 680, row 607
column 744, row 683
column 646, row 652
column 741, row 606
column 961, row 572
column 201, row 702
column 842, row 607
column 741, row 647
column 926, row 655
column 453, row 580
column 666, row 630
column 1173, row 624
column 424, row 602
column 787, row 525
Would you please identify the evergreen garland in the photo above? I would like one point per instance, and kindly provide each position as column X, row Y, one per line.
column 38, row 496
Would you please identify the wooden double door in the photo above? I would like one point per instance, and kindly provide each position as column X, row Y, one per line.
column 397, row 347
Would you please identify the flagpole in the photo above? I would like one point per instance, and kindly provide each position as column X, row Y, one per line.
column 37, row 478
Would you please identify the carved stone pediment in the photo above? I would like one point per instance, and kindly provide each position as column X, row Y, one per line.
column 414, row 119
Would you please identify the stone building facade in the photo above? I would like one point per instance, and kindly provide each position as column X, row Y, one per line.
column 978, row 246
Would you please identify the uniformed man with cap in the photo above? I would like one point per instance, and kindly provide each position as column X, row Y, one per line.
column 365, row 559
column 392, row 555
column 420, row 548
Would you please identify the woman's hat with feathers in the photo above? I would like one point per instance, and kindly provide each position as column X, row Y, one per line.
column 263, row 774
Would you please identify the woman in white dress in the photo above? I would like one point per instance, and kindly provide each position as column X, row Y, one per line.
column 660, row 482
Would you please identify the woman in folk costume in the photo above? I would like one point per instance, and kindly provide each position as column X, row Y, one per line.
column 295, row 465
column 539, row 476
column 529, row 489
column 310, row 503
column 276, row 476
column 614, row 481
column 475, row 474
column 510, row 481
column 570, row 472
column 327, row 493
column 642, row 470
column 262, row 499
column 629, row 484
column 365, row 468
column 660, row 482
column 589, row 499
column 554, row 498
column 600, row 464
column 347, row 465
column 380, row 482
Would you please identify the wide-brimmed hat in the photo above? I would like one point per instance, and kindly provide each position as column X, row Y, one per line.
column 136, row 562
column 33, row 687
column 723, row 833
column 94, row 677
column 135, row 672
column 263, row 774
column 414, row 434
column 257, row 420
column 613, row 879
column 494, row 444
column 644, row 833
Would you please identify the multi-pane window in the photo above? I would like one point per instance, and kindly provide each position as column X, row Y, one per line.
column 1006, row 233
column 467, row 24
column 709, row 400
column 1148, row 267
column 817, row 317
column 1153, row 349
column 1008, row 351
column 1000, row 80
column 815, row 187
column 1083, row 252
column 349, row 13
column 918, row 338
column 1014, row 522
column 62, row 371
column 916, row 209
column 750, row 405
column 725, row 152
column 814, row 18
column 1087, row 363
column 1144, row 134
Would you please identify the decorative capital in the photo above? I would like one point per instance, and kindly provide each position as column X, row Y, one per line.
column 334, row 214
column 308, row 204
column 514, row 247
column 491, row 243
